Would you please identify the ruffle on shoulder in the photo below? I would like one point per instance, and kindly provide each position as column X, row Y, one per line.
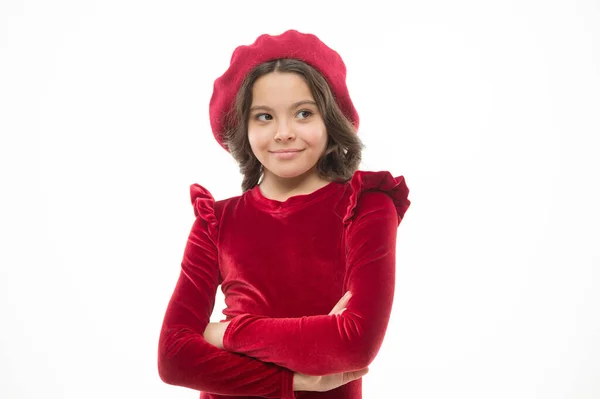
column 204, row 207
column 363, row 181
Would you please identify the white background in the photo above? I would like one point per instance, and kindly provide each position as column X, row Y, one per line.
column 490, row 109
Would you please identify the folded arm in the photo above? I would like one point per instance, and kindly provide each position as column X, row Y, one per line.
column 185, row 358
column 323, row 344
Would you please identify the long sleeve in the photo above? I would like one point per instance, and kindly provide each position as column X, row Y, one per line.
column 184, row 357
column 323, row 344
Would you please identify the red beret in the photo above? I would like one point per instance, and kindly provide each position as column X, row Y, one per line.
column 290, row 44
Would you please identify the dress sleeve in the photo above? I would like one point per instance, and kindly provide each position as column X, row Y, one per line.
column 185, row 358
column 323, row 344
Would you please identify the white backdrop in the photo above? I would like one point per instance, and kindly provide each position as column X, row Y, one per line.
column 489, row 109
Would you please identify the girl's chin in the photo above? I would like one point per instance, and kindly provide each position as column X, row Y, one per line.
column 289, row 172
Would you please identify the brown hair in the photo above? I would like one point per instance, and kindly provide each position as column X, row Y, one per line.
column 344, row 148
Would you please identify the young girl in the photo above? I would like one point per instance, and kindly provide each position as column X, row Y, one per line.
column 308, row 228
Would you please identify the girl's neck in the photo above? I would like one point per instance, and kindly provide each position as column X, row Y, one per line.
column 280, row 189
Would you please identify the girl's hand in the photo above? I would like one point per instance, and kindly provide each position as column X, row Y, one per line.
column 303, row 382
column 322, row 383
column 341, row 305
column 213, row 334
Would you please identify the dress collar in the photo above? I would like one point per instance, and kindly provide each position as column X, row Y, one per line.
column 258, row 199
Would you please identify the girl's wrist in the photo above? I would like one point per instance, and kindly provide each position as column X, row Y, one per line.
column 214, row 332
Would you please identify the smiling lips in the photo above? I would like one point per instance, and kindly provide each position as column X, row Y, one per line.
column 287, row 150
column 286, row 154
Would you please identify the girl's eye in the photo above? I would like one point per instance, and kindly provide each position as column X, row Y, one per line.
column 267, row 117
column 304, row 114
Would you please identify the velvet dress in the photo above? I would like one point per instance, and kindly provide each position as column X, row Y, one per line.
column 282, row 266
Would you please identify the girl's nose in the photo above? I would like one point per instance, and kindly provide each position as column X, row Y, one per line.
column 284, row 132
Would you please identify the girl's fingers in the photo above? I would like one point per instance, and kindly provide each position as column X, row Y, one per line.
column 343, row 302
column 355, row 375
column 334, row 310
column 341, row 305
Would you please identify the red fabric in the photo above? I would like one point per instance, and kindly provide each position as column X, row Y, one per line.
column 282, row 267
column 290, row 44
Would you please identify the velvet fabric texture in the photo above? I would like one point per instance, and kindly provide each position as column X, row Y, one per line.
column 290, row 44
column 282, row 266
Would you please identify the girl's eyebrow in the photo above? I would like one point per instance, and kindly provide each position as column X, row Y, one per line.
column 294, row 105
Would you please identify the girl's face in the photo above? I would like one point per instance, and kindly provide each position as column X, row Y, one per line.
column 284, row 117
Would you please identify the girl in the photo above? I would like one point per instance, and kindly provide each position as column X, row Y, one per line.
column 308, row 228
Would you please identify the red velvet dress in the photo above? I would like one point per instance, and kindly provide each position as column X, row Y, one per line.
column 282, row 266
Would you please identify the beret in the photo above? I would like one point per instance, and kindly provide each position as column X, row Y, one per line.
column 290, row 44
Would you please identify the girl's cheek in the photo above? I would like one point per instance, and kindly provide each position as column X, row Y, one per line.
column 253, row 140
column 258, row 138
column 313, row 133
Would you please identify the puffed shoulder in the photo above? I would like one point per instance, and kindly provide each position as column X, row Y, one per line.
column 204, row 206
column 363, row 181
